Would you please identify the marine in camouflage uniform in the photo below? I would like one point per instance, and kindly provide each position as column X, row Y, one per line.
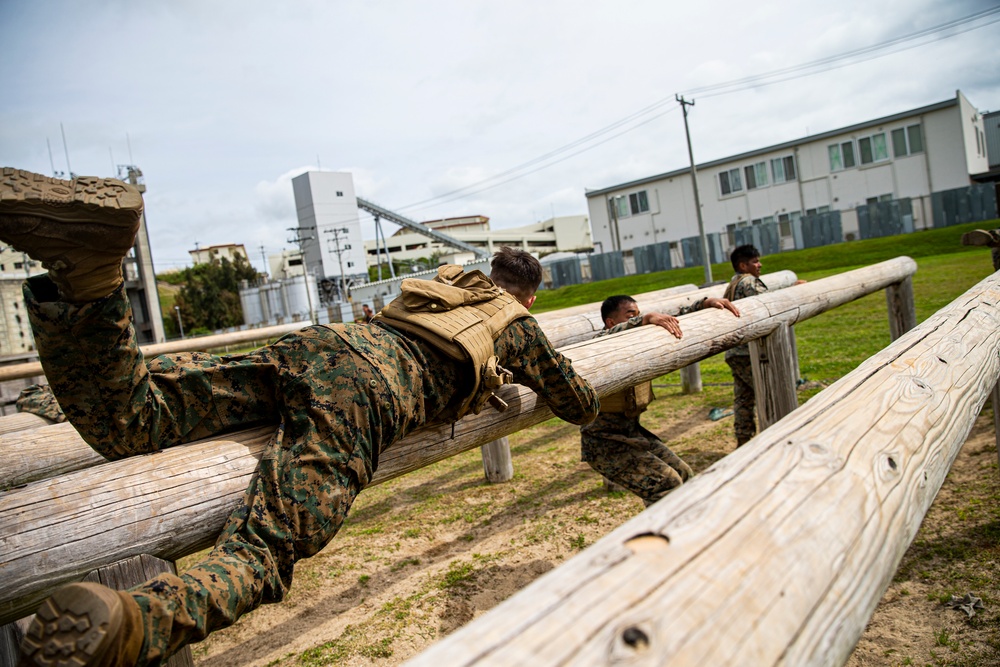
column 745, row 283
column 615, row 444
column 340, row 395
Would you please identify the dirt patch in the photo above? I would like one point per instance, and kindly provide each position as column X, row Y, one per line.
column 425, row 554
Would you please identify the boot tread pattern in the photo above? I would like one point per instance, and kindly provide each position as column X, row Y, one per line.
column 28, row 193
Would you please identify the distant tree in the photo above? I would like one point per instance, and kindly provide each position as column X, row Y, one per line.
column 210, row 297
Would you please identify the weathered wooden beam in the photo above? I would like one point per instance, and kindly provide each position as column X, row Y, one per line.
column 779, row 553
column 902, row 310
column 498, row 466
column 174, row 502
column 581, row 323
column 774, row 376
column 22, row 421
column 31, row 369
column 26, row 455
column 691, row 379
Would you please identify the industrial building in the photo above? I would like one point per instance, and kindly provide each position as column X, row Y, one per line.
column 569, row 233
column 908, row 171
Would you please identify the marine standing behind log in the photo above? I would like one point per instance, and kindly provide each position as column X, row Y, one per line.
column 616, row 444
column 340, row 394
column 746, row 282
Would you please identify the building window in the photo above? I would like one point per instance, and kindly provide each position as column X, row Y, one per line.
column 783, row 169
column 756, row 175
column 907, row 141
column 619, row 207
column 842, row 156
column 638, row 202
column 873, row 149
column 340, row 193
column 878, row 200
column 729, row 181
column 817, row 210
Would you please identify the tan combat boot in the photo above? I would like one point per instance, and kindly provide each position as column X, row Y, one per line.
column 982, row 237
column 79, row 230
column 84, row 625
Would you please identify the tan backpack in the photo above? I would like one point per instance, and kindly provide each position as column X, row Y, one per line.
column 461, row 314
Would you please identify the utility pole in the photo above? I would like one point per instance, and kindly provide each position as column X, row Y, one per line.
column 300, row 240
column 263, row 257
column 180, row 324
column 697, row 200
column 337, row 233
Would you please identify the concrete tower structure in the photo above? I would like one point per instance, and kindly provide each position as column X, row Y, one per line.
column 329, row 227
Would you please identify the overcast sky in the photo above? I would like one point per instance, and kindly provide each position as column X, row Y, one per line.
column 221, row 103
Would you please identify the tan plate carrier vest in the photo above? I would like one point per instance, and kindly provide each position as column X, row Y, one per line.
column 461, row 314
column 632, row 401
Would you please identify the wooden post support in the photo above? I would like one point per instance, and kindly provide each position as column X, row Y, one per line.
column 497, row 463
column 119, row 576
column 794, row 352
column 773, row 376
column 11, row 635
column 995, row 400
column 902, row 313
column 691, row 379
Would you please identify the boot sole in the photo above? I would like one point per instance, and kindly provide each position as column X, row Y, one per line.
column 981, row 238
column 26, row 193
column 75, row 627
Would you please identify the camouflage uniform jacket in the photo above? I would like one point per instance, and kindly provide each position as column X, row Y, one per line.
column 742, row 285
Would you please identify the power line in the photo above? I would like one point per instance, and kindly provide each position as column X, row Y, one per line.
column 850, row 57
column 956, row 26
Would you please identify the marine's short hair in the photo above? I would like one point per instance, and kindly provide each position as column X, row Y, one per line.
column 516, row 271
column 613, row 303
column 743, row 253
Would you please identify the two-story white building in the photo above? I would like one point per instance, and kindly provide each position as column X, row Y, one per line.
column 886, row 175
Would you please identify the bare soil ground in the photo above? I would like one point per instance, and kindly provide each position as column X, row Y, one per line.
column 425, row 554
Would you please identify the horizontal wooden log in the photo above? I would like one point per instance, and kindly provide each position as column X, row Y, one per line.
column 778, row 553
column 26, row 456
column 21, row 421
column 174, row 502
column 34, row 368
column 580, row 323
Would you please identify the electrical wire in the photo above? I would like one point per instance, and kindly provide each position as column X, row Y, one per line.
column 956, row 26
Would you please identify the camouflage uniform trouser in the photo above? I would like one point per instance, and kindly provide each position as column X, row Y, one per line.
column 744, row 399
column 619, row 448
column 38, row 399
column 333, row 407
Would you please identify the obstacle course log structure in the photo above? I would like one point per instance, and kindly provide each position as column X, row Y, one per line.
column 174, row 502
column 778, row 553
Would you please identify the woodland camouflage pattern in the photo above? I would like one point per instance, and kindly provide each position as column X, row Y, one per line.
column 619, row 448
column 743, row 285
column 339, row 394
